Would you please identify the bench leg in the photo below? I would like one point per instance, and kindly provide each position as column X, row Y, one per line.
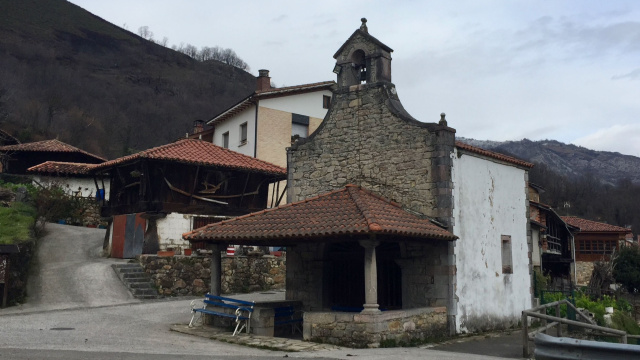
column 238, row 322
column 192, row 322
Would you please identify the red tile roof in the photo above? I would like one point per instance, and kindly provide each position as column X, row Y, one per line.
column 592, row 226
column 199, row 152
column 65, row 168
column 270, row 93
column 348, row 211
column 48, row 146
column 491, row 154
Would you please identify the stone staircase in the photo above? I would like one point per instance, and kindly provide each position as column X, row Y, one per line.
column 138, row 282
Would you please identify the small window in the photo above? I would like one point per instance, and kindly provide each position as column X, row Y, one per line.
column 225, row 140
column 507, row 262
column 243, row 133
column 299, row 127
column 326, row 101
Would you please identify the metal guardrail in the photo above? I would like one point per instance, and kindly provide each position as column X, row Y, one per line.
column 557, row 321
column 553, row 348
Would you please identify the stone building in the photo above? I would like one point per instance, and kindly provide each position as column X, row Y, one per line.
column 367, row 141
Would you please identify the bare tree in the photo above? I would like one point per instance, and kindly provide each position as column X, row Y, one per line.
column 145, row 33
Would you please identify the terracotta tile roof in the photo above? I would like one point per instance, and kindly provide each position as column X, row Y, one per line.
column 270, row 93
column 199, row 152
column 348, row 211
column 592, row 226
column 49, row 146
column 58, row 167
column 288, row 90
column 492, row 154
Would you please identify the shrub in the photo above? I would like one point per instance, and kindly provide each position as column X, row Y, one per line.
column 627, row 269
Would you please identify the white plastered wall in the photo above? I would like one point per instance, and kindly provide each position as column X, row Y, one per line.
column 489, row 201
column 171, row 228
column 73, row 186
column 309, row 104
column 232, row 125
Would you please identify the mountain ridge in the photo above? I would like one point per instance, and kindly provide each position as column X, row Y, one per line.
column 568, row 160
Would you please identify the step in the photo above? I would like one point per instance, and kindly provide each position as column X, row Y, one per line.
column 126, row 266
column 135, row 275
column 140, row 285
column 143, row 292
column 131, row 270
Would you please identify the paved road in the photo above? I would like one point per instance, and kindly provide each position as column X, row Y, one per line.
column 78, row 309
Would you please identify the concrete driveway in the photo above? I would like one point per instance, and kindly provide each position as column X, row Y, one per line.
column 70, row 272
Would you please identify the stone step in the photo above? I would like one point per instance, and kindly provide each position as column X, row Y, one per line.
column 140, row 285
column 143, row 292
column 135, row 275
column 130, row 270
column 126, row 266
column 136, row 280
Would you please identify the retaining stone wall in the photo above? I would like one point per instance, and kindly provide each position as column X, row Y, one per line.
column 191, row 275
column 358, row 330
column 584, row 269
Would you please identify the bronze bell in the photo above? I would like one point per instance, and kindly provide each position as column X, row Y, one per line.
column 363, row 74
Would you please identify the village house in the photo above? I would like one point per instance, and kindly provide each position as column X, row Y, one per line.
column 160, row 193
column 553, row 242
column 17, row 158
column 595, row 241
column 389, row 213
column 75, row 179
column 265, row 123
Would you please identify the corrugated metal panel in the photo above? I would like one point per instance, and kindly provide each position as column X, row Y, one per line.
column 551, row 348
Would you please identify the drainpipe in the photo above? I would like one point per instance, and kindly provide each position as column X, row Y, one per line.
column 575, row 264
column 255, row 132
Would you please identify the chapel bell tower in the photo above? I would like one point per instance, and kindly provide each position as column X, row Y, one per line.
column 362, row 59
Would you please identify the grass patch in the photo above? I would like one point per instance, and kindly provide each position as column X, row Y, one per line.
column 16, row 223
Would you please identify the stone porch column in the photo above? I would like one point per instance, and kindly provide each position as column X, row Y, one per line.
column 370, row 276
column 216, row 269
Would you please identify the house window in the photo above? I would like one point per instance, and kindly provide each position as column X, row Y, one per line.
column 326, row 101
column 225, row 140
column 243, row 133
column 299, row 126
column 507, row 261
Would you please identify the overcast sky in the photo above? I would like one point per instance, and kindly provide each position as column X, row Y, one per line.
column 500, row 70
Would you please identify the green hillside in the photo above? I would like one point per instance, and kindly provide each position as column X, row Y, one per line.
column 69, row 74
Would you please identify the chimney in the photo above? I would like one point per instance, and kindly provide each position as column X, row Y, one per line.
column 198, row 126
column 263, row 80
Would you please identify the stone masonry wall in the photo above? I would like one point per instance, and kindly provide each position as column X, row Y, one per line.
column 365, row 142
column 425, row 275
column 191, row 275
column 398, row 327
column 584, row 269
column 304, row 276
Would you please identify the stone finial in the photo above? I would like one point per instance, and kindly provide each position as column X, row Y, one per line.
column 443, row 121
column 363, row 27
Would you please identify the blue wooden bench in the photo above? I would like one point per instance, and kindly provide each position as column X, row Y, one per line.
column 242, row 310
column 287, row 315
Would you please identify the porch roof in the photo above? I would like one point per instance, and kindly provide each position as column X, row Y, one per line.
column 348, row 211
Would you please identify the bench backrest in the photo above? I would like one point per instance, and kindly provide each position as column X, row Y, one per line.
column 230, row 303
